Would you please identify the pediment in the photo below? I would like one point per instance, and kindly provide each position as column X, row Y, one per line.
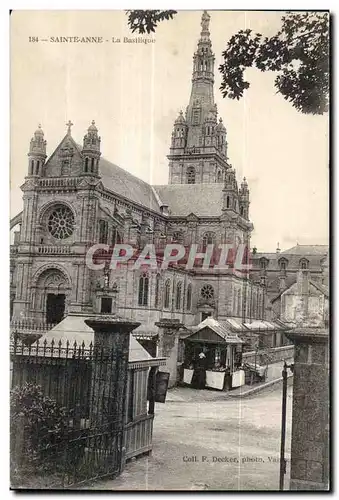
column 89, row 183
column 192, row 217
column 206, row 334
column 66, row 160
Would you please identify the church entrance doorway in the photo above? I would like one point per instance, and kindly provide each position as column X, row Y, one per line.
column 55, row 307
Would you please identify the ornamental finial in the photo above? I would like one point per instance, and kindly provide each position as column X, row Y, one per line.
column 69, row 125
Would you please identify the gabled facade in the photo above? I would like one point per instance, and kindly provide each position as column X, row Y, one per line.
column 304, row 304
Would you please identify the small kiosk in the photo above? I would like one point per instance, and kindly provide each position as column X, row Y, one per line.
column 213, row 348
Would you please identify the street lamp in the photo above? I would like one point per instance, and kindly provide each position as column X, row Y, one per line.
column 283, row 424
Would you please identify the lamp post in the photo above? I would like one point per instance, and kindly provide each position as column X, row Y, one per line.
column 283, row 425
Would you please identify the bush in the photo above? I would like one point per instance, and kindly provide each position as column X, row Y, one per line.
column 38, row 424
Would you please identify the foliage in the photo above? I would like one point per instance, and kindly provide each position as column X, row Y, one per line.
column 298, row 53
column 147, row 20
column 38, row 422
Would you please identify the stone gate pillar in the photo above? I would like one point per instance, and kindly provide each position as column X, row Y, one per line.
column 109, row 377
column 310, row 414
column 168, row 345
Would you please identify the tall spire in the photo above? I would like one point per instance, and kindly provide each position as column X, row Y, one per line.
column 198, row 132
column 201, row 103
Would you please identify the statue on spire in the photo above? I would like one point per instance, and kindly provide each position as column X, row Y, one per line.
column 205, row 21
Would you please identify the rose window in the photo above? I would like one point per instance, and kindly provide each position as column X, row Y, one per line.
column 61, row 222
column 207, row 292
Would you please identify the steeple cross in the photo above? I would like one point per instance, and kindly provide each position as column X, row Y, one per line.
column 69, row 125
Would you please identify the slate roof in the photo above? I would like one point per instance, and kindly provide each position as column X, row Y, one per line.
column 203, row 200
column 313, row 253
column 307, row 250
column 123, row 183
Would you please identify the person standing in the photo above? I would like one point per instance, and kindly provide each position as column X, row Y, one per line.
column 199, row 374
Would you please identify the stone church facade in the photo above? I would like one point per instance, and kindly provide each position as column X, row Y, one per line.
column 75, row 198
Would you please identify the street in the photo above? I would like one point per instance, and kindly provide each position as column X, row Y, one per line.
column 202, row 442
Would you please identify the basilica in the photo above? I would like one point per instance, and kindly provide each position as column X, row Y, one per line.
column 74, row 198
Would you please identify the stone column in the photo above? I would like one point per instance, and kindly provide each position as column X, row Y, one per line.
column 109, row 379
column 168, row 345
column 310, row 415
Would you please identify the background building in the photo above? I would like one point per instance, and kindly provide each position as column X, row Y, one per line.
column 278, row 271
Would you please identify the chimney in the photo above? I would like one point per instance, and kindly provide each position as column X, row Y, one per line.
column 303, row 281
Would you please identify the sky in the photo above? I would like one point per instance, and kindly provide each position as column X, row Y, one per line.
column 134, row 92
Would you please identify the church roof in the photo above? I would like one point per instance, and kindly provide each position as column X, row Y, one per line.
column 129, row 186
column 203, row 200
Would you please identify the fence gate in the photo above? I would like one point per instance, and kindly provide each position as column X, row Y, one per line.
column 67, row 407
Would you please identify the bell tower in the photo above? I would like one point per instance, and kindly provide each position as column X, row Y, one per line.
column 198, row 151
column 244, row 199
column 91, row 151
column 37, row 153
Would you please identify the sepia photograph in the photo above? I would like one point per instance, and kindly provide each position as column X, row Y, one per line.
column 169, row 250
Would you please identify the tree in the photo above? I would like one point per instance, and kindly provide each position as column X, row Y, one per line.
column 147, row 20
column 298, row 53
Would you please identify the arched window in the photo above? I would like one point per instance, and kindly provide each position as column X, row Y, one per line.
column 190, row 174
column 228, row 202
column 37, row 167
column 143, row 290
column 189, row 298
column 103, row 231
column 208, row 239
column 157, row 291
column 116, row 238
column 86, row 164
column 303, row 263
column 282, row 264
column 178, row 296
column 241, row 210
column 219, row 179
column 177, row 237
column 92, row 165
column 263, row 263
column 167, row 294
column 32, row 168
column 196, row 117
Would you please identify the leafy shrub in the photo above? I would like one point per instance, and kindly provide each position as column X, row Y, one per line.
column 38, row 424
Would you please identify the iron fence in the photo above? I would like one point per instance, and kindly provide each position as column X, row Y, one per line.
column 67, row 407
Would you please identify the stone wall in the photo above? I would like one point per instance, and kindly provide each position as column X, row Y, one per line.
column 275, row 354
column 310, row 413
